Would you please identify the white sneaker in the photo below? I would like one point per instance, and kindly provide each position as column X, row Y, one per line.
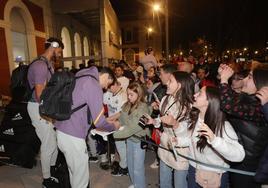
column 131, row 186
column 155, row 164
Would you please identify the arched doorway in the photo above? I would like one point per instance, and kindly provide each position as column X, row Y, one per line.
column 67, row 51
column 77, row 47
column 19, row 37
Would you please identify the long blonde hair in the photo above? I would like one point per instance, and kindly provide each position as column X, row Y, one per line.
column 137, row 88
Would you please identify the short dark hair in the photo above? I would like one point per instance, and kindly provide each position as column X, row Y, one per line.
column 52, row 39
column 107, row 70
column 169, row 68
column 120, row 66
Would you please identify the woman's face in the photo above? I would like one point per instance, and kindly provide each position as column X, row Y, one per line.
column 132, row 96
column 201, row 74
column 151, row 72
column 201, row 100
column 172, row 86
column 237, row 84
column 249, row 86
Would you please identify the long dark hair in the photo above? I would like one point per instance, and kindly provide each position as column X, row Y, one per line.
column 184, row 95
column 214, row 117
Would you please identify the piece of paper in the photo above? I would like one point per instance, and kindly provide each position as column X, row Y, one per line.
column 104, row 134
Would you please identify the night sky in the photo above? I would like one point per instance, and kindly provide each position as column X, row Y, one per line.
column 224, row 23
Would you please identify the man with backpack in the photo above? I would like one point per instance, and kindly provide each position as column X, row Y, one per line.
column 71, row 133
column 39, row 73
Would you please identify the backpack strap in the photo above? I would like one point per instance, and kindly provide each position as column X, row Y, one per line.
column 90, row 121
column 78, row 108
column 42, row 58
column 46, row 61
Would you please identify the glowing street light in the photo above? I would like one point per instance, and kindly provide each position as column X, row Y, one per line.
column 228, row 51
column 150, row 29
column 181, row 53
column 156, row 7
column 245, row 49
column 256, row 52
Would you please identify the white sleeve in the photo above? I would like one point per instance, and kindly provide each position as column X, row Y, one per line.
column 157, row 120
column 183, row 135
column 228, row 145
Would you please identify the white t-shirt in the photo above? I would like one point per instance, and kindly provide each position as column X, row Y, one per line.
column 115, row 102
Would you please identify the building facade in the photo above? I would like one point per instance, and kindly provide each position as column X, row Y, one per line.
column 26, row 24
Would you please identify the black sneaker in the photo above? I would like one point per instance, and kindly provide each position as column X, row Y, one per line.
column 105, row 165
column 120, row 172
column 50, row 183
column 93, row 159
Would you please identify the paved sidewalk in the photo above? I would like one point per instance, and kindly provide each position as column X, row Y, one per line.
column 16, row 177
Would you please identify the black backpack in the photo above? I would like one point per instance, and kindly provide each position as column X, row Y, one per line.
column 20, row 87
column 18, row 140
column 56, row 98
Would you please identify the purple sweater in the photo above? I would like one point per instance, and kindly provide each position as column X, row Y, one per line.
column 87, row 90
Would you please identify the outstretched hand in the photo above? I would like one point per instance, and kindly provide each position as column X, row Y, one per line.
column 262, row 94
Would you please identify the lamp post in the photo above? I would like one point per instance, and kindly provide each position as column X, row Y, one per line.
column 157, row 8
column 167, row 30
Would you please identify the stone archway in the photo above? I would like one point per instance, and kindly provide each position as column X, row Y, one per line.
column 67, row 51
column 20, row 10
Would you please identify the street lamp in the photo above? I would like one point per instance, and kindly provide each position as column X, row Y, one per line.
column 149, row 31
column 157, row 8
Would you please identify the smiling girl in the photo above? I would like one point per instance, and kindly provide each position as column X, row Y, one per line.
column 213, row 140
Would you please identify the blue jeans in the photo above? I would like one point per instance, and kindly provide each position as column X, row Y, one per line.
column 122, row 151
column 135, row 163
column 166, row 177
column 193, row 184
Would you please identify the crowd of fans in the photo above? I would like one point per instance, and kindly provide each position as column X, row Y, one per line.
column 214, row 113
